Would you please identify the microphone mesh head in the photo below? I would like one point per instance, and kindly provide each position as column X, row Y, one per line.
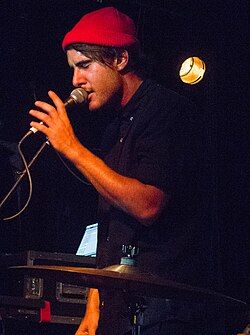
column 79, row 95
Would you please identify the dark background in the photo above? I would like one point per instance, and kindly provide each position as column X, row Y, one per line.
column 32, row 62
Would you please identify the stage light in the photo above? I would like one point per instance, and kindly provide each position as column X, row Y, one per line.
column 192, row 70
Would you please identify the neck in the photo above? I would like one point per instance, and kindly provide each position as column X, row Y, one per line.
column 131, row 84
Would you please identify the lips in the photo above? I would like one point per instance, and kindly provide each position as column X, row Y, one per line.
column 90, row 95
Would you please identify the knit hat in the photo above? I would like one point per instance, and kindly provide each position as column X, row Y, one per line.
column 106, row 26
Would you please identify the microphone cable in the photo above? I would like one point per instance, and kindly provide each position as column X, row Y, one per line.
column 27, row 171
column 77, row 96
column 71, row 171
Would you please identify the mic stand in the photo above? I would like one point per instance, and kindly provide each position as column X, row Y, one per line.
column 136, row 304
column 137, row 309
column 23, row 174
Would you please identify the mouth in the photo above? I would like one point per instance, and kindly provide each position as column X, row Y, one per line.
column 90, row 94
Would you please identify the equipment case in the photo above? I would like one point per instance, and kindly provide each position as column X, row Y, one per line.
column 64, row 302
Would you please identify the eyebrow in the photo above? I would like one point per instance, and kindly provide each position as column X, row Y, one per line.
column 83, row 62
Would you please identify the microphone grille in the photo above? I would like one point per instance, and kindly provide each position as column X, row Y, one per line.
column 79, row 95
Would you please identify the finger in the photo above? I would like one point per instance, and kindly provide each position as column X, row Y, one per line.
column 49, row 109
column 40, row 116
column 59, row 104
column 82, row 332
column 40, row 127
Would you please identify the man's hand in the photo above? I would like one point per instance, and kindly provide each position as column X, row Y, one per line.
column 89, row 323
column 55, row 124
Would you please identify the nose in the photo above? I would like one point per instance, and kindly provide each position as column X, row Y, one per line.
column 78, row 78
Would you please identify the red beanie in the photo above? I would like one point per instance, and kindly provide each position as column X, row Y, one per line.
column 106, row 26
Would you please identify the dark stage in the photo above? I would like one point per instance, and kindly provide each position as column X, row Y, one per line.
column 61, row 207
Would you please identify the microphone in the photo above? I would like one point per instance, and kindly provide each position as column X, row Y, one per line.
column 77, row 96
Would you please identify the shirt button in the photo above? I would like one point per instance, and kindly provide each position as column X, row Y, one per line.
column 131, row 119
column 121, row 139
column 107, row 239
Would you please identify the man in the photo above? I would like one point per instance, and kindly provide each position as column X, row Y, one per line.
column 147, row 176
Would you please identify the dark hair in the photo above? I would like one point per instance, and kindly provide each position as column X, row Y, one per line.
column 106, row 55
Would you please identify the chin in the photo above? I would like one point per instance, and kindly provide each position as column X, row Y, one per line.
column 94, row 107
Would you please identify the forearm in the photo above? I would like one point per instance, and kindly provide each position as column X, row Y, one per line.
column 142, row 201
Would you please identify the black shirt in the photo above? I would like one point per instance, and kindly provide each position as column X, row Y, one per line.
column 155, row 139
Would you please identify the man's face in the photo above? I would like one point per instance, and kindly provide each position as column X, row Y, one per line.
column 103, row 83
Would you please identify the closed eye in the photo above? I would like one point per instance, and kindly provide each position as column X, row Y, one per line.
column 83, row 64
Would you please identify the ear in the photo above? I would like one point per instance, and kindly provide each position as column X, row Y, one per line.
column 122, row 61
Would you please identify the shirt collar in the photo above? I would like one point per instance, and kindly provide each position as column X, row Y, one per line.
column 134, row 103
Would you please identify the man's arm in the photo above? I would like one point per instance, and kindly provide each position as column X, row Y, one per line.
column 144, row 202
column 89, row 323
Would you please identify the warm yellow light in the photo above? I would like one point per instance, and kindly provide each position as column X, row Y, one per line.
column 192, row 70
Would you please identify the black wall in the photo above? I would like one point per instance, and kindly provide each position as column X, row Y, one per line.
column 32, row 62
